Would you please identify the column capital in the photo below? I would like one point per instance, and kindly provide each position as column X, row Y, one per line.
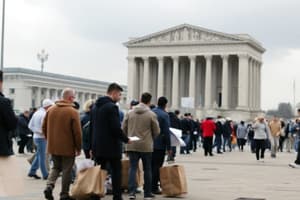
column 175, row 58
column 208, row 57
column 145, row 58
column 224, row 56
column 192, row 57
column 243, row 55
column 159, row 58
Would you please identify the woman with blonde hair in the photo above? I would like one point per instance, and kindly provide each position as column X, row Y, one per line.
column 85, row 126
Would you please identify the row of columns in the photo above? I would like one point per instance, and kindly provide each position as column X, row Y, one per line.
column 55, row 94
column 249, row 80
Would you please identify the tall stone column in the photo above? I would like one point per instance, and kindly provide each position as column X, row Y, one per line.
column 146, row 74
column 130, row 78
column 225, row 95
column 47, row 95
column 259, row 86
column 192, row 84
column 160, row 79
column 208, row 79
column 243, row 82
column 175, row 82
column 256, row 86
column 251, row 85
column 38, row 97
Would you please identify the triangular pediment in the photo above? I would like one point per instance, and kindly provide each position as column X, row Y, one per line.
column 184, row 33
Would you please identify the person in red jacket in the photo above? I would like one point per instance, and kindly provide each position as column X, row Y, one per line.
column 208, row 129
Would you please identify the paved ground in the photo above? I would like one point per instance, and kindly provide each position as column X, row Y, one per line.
column 223, row 177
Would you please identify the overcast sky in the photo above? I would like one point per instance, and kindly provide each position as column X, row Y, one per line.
column 84, row 37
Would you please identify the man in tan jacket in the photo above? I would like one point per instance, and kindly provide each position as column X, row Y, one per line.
column 62, row 131
column 142, row 123
column 275, row 128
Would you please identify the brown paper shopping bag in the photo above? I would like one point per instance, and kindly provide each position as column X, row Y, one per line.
column 125, row 174
column 89, row 182
column 173, row 180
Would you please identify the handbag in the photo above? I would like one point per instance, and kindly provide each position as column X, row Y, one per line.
column 89, row 182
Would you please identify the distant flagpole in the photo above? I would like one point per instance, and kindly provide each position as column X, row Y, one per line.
column 2, row 36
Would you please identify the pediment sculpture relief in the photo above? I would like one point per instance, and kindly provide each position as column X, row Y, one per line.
column 186, row 35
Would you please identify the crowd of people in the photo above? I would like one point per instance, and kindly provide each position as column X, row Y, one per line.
column 105, row 134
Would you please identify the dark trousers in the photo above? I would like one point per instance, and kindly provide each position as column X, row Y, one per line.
column 297, row 161
column 252, row 145
column 116, row 168
column 241, row 142
column 62, row 164
column 226, row 141
column 22, row 143
column 134, row 158
column 281, row 141
column 158, row 157
column 194, row 139
column 87, row 153
column 218, row 143
column 207, row 145
column 260, row 146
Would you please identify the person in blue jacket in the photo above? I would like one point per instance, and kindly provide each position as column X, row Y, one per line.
column 161, row 143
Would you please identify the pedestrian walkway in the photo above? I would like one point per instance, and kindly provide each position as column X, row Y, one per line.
column 229, row 176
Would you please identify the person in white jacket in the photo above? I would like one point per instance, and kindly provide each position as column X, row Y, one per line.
column 261, row 134
column 35, row 125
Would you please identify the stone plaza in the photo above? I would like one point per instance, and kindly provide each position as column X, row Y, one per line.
column 230, row 176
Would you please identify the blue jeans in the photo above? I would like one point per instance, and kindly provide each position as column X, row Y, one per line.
column 226, row 141
column 134, row 158
column 40, row 158
column 186, row 138
column 218, row 142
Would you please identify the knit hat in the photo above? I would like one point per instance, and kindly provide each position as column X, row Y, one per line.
column 47, row 102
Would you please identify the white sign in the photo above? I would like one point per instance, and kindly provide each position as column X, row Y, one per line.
column 187, row 102
column 175, row 137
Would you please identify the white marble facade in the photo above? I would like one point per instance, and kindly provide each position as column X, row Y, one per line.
column 220, row 72
column 27, row 88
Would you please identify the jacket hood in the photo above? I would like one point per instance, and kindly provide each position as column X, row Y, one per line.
column 103, row 100
column 63, row 103
column 141, row 108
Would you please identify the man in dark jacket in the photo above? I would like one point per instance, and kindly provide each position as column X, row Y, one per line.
column 187, row 129
column 23, row 131
column 8, row 123
column 174, row 123
column 227, row 131
column 161, row 143
column 108, row 135
column 218, row 134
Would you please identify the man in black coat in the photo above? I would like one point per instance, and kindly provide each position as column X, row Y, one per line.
column 107, row 135
column 23, row 131
column 8, row 123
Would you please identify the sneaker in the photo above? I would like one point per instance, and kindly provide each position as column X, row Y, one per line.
column 158, row 191
column 48, row 193
column 149, row 197
column 131, row 196
column 262, row 160
column 294, row 165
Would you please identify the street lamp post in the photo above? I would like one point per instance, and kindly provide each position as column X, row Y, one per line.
column 42, row 57
column 2, row 36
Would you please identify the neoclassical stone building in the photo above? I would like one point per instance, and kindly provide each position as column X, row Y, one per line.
column 27, row 88
column 219, row 73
